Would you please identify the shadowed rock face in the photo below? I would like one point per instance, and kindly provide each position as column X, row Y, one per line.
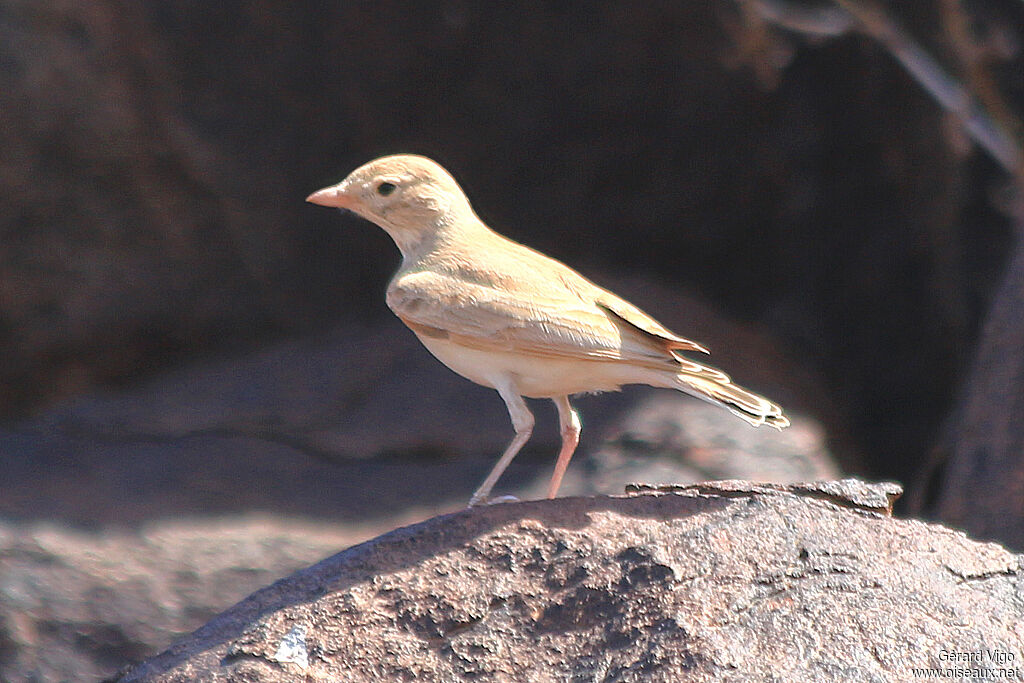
column 983, row 491
column 724, row 579
column 363, row 423
column 156, row 157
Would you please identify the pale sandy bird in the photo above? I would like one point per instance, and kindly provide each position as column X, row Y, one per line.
column 510, row 318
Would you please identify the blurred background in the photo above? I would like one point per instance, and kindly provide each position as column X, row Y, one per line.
column 201, row 388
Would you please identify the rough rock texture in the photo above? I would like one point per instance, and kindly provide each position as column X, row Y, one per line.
column 728, row 580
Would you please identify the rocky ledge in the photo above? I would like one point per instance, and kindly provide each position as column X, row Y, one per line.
column 753, row 582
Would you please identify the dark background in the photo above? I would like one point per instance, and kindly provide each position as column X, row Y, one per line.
column 154, row 157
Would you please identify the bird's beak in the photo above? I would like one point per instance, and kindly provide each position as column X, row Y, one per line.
column 335, row 195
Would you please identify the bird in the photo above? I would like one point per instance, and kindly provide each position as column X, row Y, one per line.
column 510, row 318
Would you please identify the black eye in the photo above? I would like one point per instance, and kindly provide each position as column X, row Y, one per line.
column 384, row 189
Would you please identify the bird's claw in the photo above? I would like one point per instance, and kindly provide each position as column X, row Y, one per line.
column 485, row 500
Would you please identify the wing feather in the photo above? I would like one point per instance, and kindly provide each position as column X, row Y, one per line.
column 553, row 322
column 645, row 324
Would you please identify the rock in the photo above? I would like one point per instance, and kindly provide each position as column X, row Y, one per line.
column 79, row 605
column 982, row 485
column 363, row 422
column 360, row 429
column 725, row 580
column 670, row 439
column 851, row 493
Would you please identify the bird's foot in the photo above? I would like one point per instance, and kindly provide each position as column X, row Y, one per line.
column 485, row 500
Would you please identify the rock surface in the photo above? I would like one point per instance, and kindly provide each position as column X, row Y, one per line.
column 123, row 513
column 723, row 580
column 77, row 605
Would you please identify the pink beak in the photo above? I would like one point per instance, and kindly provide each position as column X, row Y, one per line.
column 332, row 196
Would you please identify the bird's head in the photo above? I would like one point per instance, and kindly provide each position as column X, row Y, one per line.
column 409, row 196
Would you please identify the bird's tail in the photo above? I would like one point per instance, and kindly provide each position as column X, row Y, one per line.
column 715, row 387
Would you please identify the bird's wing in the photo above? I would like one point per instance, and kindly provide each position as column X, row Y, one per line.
column 645, row 324
column 553, row 321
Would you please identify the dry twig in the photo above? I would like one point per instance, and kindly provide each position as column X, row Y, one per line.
column 872, row 20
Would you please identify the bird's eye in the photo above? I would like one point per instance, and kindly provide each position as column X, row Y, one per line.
column 384, row 189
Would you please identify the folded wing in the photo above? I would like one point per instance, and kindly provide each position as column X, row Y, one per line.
column 580, row 321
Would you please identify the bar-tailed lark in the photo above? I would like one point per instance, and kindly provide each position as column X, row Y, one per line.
column 512, row 319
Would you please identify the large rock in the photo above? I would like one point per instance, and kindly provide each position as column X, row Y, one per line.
column 76, row 605
column 667, row 438
column 727, row 579
column 982, row 488
column 334, row 439
column 363, row 423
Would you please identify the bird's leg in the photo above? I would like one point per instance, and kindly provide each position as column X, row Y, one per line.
column 569, row 422
column 522, row 420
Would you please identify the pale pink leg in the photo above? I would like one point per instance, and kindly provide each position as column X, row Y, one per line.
column 569, row 422
column 522, row 421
